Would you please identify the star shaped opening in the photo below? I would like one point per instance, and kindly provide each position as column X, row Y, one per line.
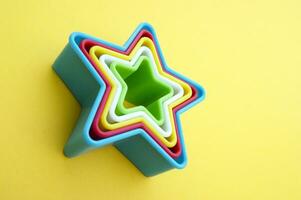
column 142, row 90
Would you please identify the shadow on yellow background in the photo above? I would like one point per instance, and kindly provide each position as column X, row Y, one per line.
column 243, row 141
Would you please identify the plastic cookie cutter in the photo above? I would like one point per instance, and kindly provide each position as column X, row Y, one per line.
column 143, row 51
column 146, row 88
column 143, row 41
column 169, row 141
column 173, row 152
column 142, row 89
column 85, row 46
column 143, row 33
column 88, row 88
column 98, row 51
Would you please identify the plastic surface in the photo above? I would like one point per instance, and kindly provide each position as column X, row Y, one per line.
column 87, row 86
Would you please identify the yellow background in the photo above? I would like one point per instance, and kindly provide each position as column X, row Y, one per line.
column 243, row 141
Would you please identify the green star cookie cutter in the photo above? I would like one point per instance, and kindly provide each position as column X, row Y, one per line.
column 142, row 90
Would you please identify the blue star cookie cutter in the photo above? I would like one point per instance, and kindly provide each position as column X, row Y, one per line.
column 88, row 88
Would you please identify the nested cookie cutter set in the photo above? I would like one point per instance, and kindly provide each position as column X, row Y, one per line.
column 130, row 98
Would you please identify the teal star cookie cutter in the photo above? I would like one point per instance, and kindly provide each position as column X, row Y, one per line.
column 82, row 79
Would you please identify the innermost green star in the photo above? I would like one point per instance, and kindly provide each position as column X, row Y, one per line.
column 141, row 89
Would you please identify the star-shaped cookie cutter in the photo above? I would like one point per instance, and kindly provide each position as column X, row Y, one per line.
column 88, row 88
column 97, row 133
